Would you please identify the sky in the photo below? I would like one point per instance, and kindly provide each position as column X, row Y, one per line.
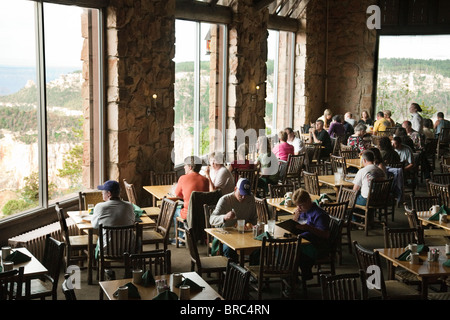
column 417, row 47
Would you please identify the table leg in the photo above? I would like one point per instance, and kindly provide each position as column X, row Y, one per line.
column 90, row 255
column 424, row 288
column 242, row 257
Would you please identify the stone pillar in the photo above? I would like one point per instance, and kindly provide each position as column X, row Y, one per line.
column 247, row 69
column 140, row 89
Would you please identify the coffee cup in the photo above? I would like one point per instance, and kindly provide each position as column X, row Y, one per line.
column 6, row 251
column 122, row 293
column 288, row 195
column 413, row 247
column 447, row 248
column 434, row 209
column 185, row 292
column 288, row 202
column 443, row 218
column 137, row 276
column 177, row 279
column 8, row 265
column 413, row 258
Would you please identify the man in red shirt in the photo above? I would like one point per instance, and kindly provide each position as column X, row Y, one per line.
column 190, row 181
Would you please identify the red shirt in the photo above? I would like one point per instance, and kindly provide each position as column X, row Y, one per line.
column 282, row 150
column 187, row 183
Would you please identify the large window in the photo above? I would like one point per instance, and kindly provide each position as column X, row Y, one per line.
column 199, row 88
column 280, row 81
column 414, row 69
column 49, row 103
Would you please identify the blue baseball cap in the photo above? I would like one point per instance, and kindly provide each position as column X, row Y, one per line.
column 110, row 185
column 244, row 186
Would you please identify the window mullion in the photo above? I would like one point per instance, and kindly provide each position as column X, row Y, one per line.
column 197, row 91
column 42, row 103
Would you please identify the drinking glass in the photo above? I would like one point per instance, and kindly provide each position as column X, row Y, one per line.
column 241, row 225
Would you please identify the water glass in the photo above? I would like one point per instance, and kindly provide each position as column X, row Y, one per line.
column 241, row 225
column 271, row 227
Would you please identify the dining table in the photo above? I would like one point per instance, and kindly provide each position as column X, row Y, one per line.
column 150, row 292
column 82, row 219
column 426, row 271
column 424, row 217
column 243, row 243
column 31, row 269
column 329, row 180
column 278, row 203
column 356, row 163
column 162, row 191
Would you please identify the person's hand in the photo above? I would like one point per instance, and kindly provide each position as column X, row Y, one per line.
column 296, row 214
column 248, row 226
column 229, row 216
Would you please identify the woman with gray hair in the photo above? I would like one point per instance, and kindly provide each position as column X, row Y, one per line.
column 356, row 140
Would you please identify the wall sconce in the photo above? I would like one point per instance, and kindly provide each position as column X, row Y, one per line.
column 254, row 96
column 153, row 105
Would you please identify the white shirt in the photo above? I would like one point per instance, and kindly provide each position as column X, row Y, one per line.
column 298, row 145
column 223, row 179
column 365, row 175
column 417, row 122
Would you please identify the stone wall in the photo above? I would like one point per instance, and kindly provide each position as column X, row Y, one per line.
column 140, row 37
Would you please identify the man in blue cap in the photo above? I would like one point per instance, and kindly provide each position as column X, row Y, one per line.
column 113, row 212
column 234, row 206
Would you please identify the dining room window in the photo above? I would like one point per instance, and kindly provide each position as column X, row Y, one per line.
column 50, row 104
column 280, row 81
column 199, row 88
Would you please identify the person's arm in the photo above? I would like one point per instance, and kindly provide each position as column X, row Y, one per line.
column 221, row 213
column 212, row 187
column 436, row 123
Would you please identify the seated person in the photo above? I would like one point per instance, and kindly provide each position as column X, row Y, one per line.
column 218, row 175
column 387, row 116
column 365, row 175
column 406, row 140
column 234, row 206
column 440, row 123
column 283, row 149
column 336, row 128
column 413, row 134
column 267, row 163
column 405, row 153
column 428, row 131
column 316, row 231
column 365, row 118
column 296, row 142
column 388, row 153
column 326, row 118
column 320, row 135
column 356, row 141
column 381, row 124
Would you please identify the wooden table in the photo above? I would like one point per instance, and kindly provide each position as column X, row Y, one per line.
column 329, row 180
column 424, row 215
column 276, row 202
column 31, row 269
column 356, row 163
column 86, row 226
column 148, row 293
column 242, row 243
column 425, row 270
column 162, row 191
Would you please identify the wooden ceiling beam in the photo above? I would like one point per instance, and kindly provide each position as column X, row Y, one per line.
column 203, row 11
column 260, row 4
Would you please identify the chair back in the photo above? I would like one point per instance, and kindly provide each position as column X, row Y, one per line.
column 367, row 260
column 118, row 240
column 131, row 192
column 11, row 283
column 436, row 189
column 157, row 262
column 53, row 261
column 279, row 257
column 191, row 242
column 279, row 190
column 445, row 168
column 337, row 209
column 63, row 224
column 208, row 209
column 338, row 162
column 251, row 174
column 236, row 283
column 89, row 197
column 424, row 203
column 68, row 289
column 312, row 152
column 165, row 217
column 345, row 286
column 380, row 191
column 335, row 226
column 262, row 209
column 294, row 168
column 320, row 168
column 349, row 154
column 347, row 194
column 163, row 178
column 311, row 181
column 399, row 237
column 441, row 178
column 337, row 142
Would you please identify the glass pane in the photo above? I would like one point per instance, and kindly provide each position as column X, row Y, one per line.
column 18, row 104
column 270, row 95
column 185, row 32
column 63, row 48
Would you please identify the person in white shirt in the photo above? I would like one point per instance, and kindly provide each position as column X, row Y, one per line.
column 218, row 175
column 405, row 153
column 299, row 145
column 348, row 117
column 416, row 118
column 365, row 175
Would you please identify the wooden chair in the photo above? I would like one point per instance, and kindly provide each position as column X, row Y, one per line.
column 338, row 210
column 441, row 178
column 47, row 284
column 278, row 262
column 385, row 289
column 162, row 178
column 236, row 282
column 152, row 212
column 11, row 283
column 445, row 168
column 76, row 246
column 210, row 264
column 338, row 162
column 294, row 169
column 349, row 154
column 68, row 289
column 89, row 197
column 158, row 262
column 321, row 169
column 262, row 209
column 429, row 153
column 436, row 189
column 347, row 194
column 278, row 191
column 311, row 181
column 282, row 168
column 345, row 286
column 444, row 141
column 313, row 152
column 113, row 243
column 378, row 199
column 160, row 235
column 401, row 238
column 208, row 209
column 424, row 235
column 424, row 203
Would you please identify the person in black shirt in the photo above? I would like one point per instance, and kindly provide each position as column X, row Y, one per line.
column 319, row 134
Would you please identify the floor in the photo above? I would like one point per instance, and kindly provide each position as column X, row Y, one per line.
column 181, row 260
